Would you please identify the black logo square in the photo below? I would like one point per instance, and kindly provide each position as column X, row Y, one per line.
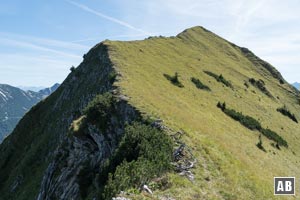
column 284, row 185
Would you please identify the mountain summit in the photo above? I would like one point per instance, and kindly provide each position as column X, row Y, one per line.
column 230, row 118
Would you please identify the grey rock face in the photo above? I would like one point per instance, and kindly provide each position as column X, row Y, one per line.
column 77, row 159
column 46, row 127
column 79, row 156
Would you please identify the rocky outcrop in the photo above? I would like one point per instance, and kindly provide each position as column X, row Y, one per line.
column 78, row 159
column 36, row 138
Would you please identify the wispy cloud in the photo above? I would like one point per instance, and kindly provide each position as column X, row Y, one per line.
column 244, row 12
column 110, row 37
column 112, row 19
column 38, row 44
column 59, row 44
column 32, row 60
column 31, row 46
column 123, row 36
column 34, row 69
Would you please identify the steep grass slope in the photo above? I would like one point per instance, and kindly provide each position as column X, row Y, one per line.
column 230, row 166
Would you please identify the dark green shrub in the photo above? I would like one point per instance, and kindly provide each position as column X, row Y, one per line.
column 252, row 124
column 260, row 84
column 129, row 175
column 274, row 136
column 174, row 79
column 72, row 69
column 222, row 106
column 287, row 113
column 219, row 105
column 219, row 78
column 260, row 144
column 247, row 121
column 143, row 140
column 99, row 110
column 143, row 154
column 212, row 74
column 246, row 84
column 199, row 84
column 112, row 76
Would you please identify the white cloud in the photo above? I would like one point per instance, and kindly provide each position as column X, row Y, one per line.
column 28, row 60
column 44, row 41
column 124, row 36
column 112, row 19
column 27, row 45
column 30, row 69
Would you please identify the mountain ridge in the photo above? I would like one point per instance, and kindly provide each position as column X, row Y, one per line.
column 31, row 88
column 296, row 85
column 14, row 103
column 230, row 166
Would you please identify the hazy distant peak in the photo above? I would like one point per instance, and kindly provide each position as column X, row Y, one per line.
column 32, row 88
column 296, row 85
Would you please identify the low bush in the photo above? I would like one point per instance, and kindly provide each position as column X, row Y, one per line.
column 252, row 124
column 260, row 144
column 281, row 81
column 245, row 120
column 174, row 79
column 260, row 84
column 72, row 69
column 274, row 136
column 219, row 78
column 222, row 106
column 143, row 154
column 100, row 109
column 199, row 84
column 287, row 113
column 112, row 76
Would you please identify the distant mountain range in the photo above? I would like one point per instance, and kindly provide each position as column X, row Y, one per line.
column 31, row 88
column 15, row 102
column 47, row 91
column 296, row 85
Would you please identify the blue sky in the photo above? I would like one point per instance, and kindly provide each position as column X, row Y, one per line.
column 41, row 40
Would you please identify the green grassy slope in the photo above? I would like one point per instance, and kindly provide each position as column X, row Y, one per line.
column 230, row 166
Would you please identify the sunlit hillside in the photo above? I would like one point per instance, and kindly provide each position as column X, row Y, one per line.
column 230, row 165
